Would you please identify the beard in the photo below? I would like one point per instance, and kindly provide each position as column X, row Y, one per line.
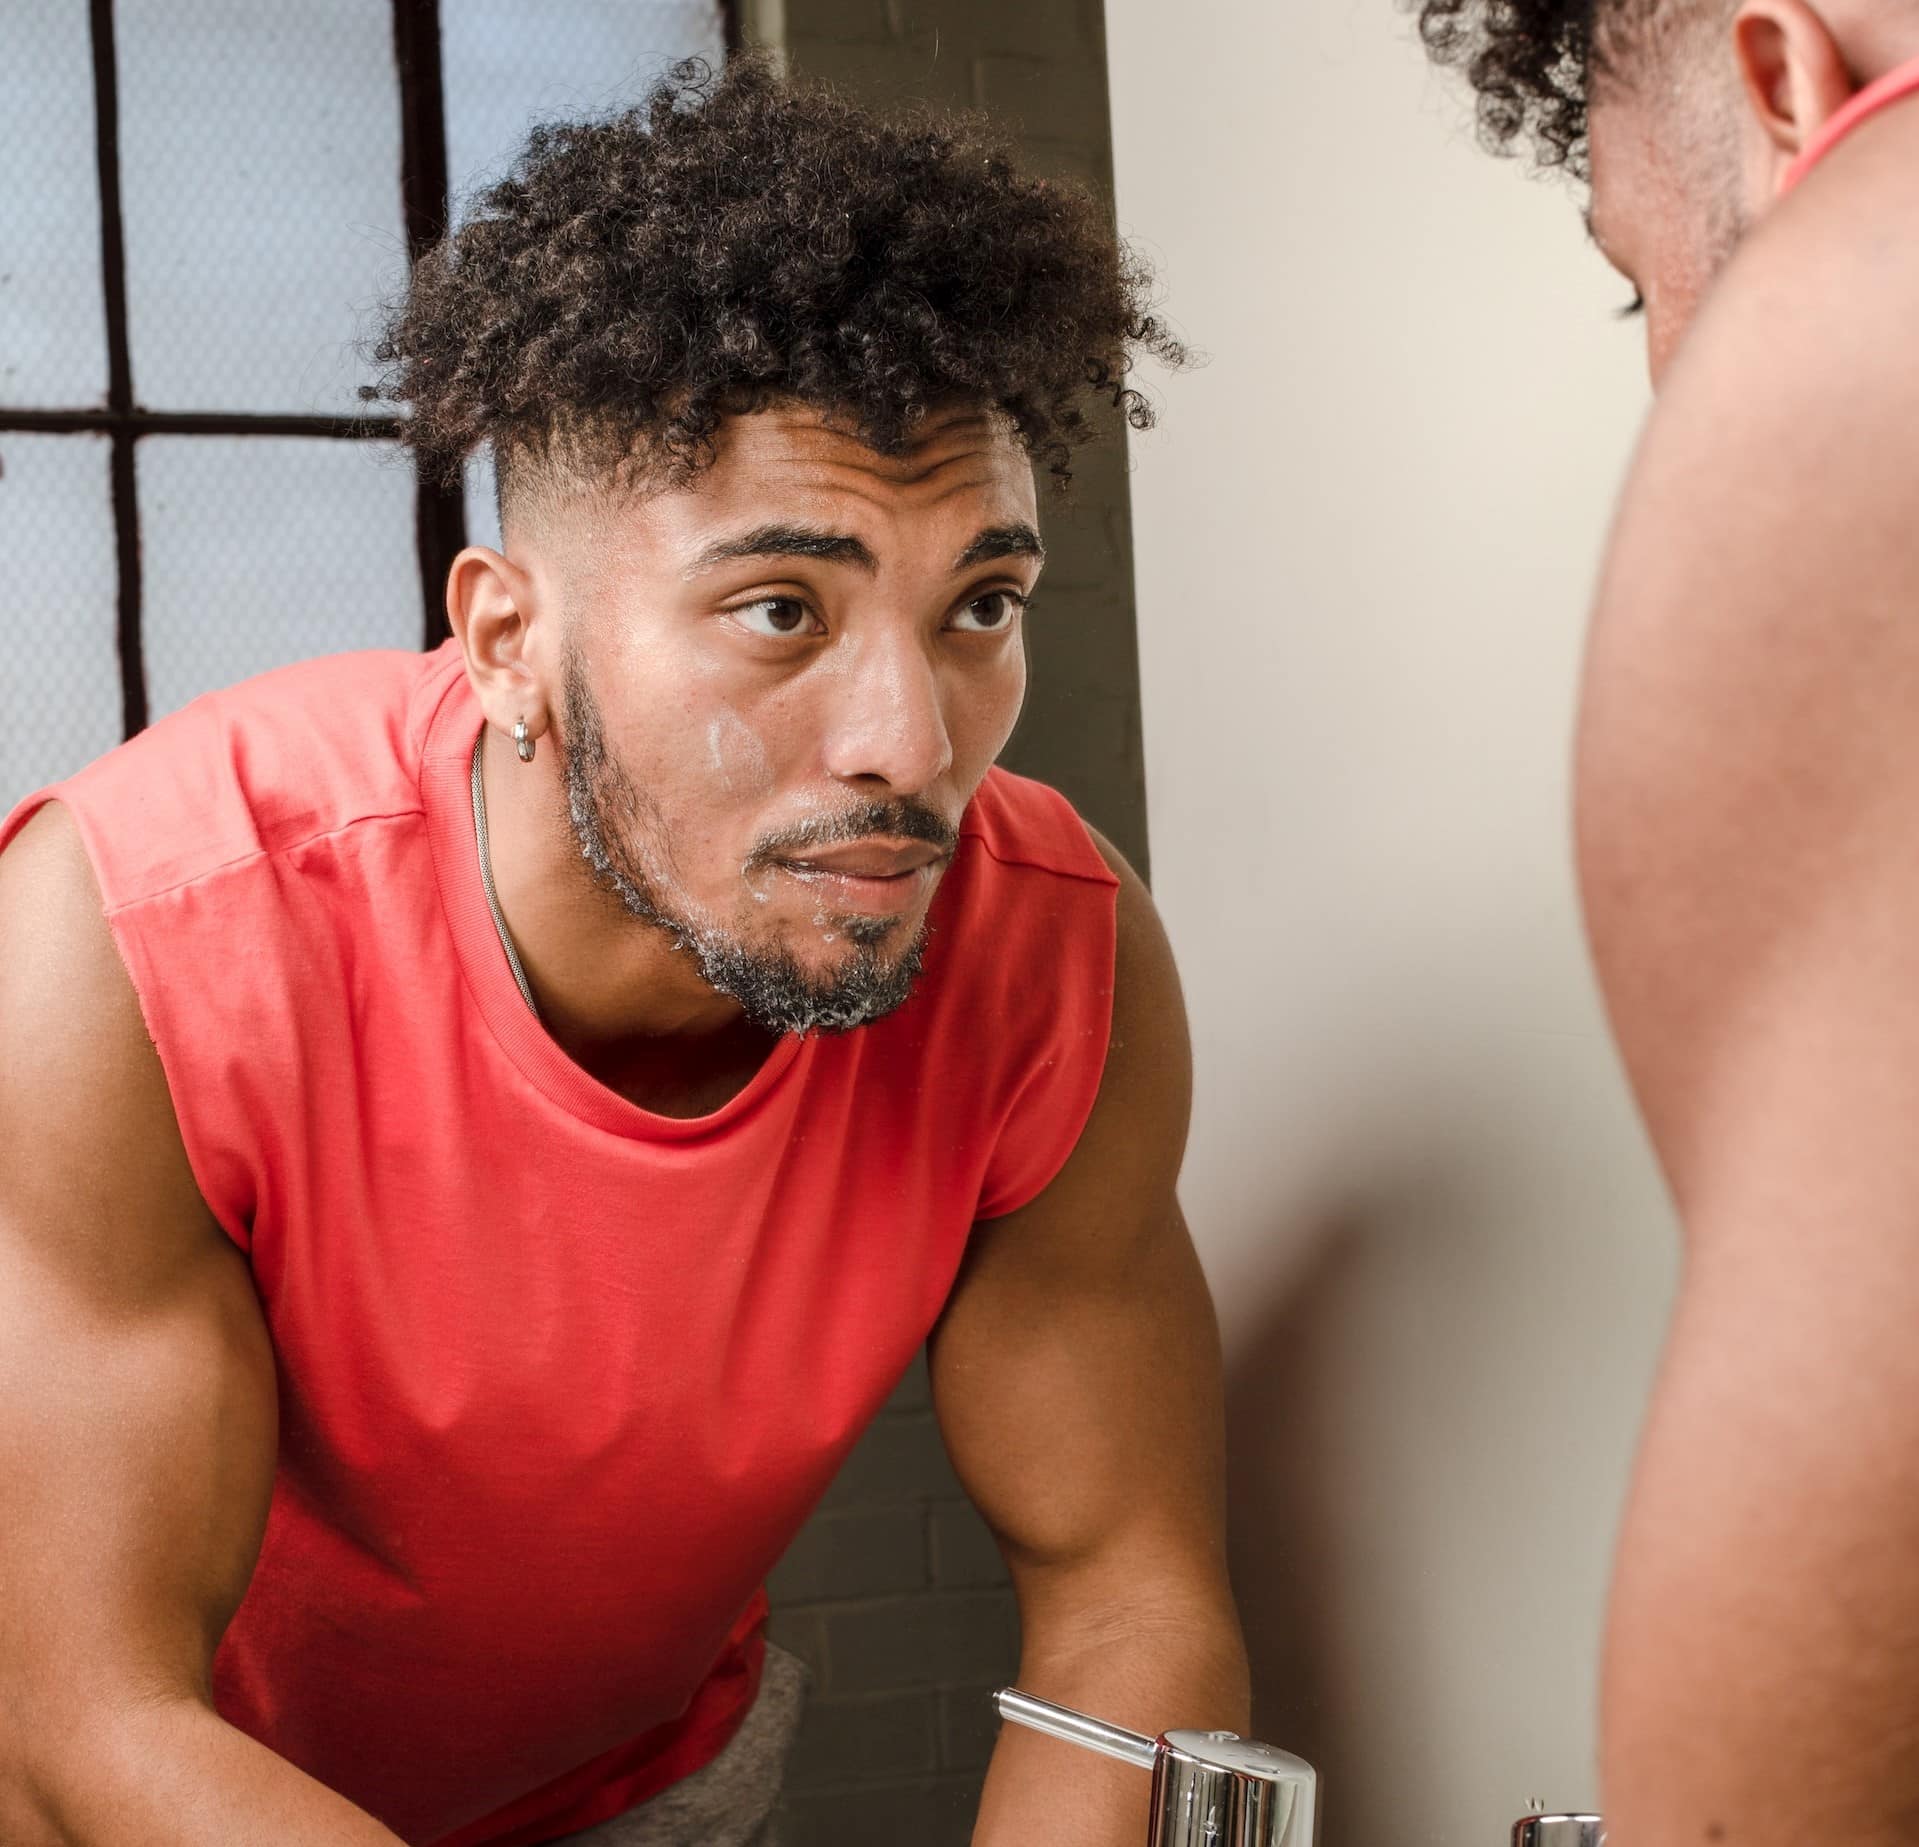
column 627, row 847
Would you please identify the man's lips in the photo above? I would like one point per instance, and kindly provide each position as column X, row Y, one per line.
column 865, row 859
column 866, row 878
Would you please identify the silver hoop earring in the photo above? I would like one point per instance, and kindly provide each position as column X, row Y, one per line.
column 522, row 743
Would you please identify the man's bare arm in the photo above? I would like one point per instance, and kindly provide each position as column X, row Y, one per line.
column 137, row 1418
column 1749, row 796
column 1077, row 1378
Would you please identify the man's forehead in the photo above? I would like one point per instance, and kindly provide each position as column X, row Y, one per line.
column 961, row 443
column 963, row 474
column 964, row 469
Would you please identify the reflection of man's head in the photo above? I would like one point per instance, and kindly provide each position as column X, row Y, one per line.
column 1682, row 114
column 766, row 379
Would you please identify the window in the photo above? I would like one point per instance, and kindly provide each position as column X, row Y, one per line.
column 205, row 204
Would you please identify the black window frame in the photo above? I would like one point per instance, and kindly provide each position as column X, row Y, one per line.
column 439, row 507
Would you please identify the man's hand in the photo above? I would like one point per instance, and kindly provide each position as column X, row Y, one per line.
column 1749, row 823
column 1076, row 1374
column 137, row 1418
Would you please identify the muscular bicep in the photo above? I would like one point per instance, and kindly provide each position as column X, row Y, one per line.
column 1076, row 1371
column 137, row 1408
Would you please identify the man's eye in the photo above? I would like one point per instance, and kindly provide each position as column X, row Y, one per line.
column 774, row 616
column 1636, row 306
column 991, row 614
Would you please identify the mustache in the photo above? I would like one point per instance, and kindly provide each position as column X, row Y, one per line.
column 901, row 820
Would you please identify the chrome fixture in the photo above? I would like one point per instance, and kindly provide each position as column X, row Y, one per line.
column 1210, row 1789
column 1559, row 1831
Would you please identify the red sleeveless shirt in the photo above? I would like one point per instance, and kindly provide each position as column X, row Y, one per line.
column 559, row 1377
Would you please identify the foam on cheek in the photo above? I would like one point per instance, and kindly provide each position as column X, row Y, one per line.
column 738, row 756
column 741, row 766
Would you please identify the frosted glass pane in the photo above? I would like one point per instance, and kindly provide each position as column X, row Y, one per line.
column 261, row 550
column 508, row 65
column 260, row 154
column 60, row 675
column 53, row 331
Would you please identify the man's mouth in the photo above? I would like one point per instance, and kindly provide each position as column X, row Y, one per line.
column 865, row 878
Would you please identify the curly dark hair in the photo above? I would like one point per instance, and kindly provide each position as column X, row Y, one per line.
column 1531, row 63
column 741, row 239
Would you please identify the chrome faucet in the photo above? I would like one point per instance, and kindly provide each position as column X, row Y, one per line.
column 1210, row 1789
column 1559, row 1831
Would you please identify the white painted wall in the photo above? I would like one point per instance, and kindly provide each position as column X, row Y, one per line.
column 1366, row 533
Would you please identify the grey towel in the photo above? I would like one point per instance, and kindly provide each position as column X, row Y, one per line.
column 728, row 1803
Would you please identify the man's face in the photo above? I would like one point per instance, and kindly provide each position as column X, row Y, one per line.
column 781, row 687
column 1668, row 204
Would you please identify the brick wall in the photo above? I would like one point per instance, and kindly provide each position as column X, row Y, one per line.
column 894, row 1594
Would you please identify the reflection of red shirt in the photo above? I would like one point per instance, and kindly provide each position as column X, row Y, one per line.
column 559, row 1378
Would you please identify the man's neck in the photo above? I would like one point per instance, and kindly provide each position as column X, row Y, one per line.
column 615, row 994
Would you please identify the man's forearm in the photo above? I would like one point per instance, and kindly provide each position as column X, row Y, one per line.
column 172, row 1774
column 1151, row 1677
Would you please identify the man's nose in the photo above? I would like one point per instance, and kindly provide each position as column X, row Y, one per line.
column 889, row 721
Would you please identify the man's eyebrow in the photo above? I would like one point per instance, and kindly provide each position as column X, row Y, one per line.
column 1017, row 540
column 782, row 541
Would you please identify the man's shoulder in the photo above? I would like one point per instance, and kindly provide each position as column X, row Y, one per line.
column 255, row 769
column 1812, row 317
column 1772, row 494
column 1747, row 765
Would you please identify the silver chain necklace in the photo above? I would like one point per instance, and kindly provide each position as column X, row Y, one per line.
column 486, row 878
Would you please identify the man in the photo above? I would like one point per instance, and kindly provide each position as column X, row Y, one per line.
column 1748, row 778
column 484, row 1133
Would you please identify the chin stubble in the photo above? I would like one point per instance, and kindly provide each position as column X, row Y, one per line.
column 606, row 811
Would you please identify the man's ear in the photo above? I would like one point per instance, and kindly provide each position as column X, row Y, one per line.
column 1792, row 73
column 491, row 603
